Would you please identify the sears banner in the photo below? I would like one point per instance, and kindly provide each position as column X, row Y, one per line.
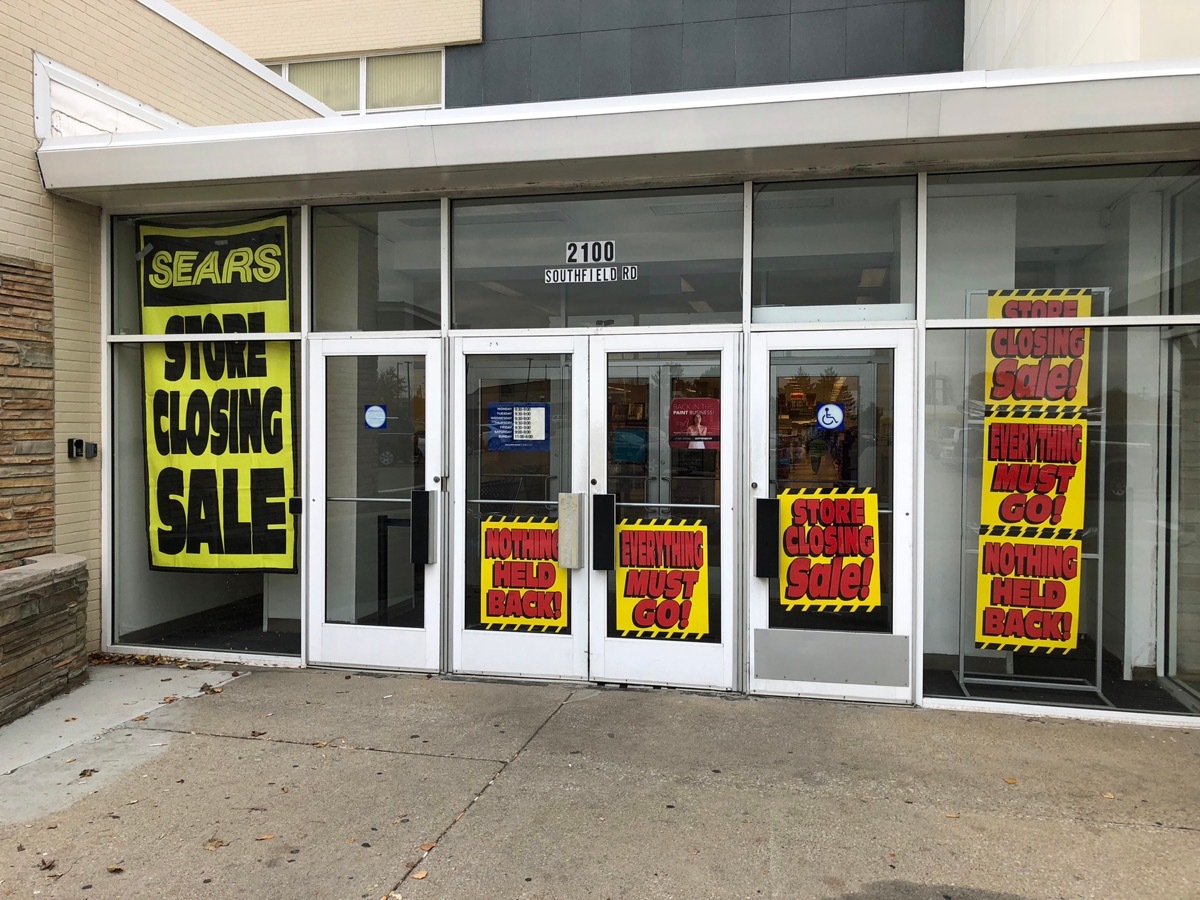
column 1035, row 447
column 521, row 586
column 829, row 557
column 219, row 411
column 662, row 579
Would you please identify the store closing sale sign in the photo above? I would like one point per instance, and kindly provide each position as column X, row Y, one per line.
column 219, row 410
column 1034, row 472
column 829, row 556
column 522, row 587
column 662, row 579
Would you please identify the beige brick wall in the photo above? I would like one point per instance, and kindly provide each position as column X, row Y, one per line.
column 287, row 29
column 132, row 49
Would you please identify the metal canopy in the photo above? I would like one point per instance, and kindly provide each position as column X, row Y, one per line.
column 1113, row 113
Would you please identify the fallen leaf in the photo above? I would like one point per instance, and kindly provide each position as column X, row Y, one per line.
column 1010, row 781
column 320, row 744
column 207, row 688
column 171, row 699
column 132, row 802
column 88, row 773
column 1108, row 795
column 951, row 815
column 265, row 837
column 20, row 848
column 71, row 760
column 215, row 843
column 417, row 875
column 114, row 870
column 257, row 733
column 69, row 719
column 285, row 790
column 428, row 845
column 46, row 864
column 139, row 718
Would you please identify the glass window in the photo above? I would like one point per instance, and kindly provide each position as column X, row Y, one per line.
column 189, row 482
column 643, row 258
column 334, row 82
column 1060, row 525
column 406, row 79
column 832, row 431
column 200, row 275
column 377, row 268
column 835, row 250
column 370, row 578
column 206, row 435
column 1067, row 228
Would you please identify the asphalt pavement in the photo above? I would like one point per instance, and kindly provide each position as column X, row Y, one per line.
column 157, row 781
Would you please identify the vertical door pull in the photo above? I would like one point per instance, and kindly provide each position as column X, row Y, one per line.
column 766, row 538
column 604, row 532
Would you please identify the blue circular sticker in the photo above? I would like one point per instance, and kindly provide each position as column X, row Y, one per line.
column 831, row 416
column 375, row 416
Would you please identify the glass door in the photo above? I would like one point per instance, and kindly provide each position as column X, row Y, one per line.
column 664, row 450
column 374, row 589
column 520, row 598
column 830, row 556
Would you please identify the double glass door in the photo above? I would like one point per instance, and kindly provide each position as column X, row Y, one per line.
column 593, row 504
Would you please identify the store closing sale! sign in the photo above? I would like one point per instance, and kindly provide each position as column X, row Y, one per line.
column 1034, row 471
column 829, row 558
column 219, row 410
column 522, row 587
column 662, row 579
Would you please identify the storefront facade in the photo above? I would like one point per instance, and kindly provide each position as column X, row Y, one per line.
column 693, row 391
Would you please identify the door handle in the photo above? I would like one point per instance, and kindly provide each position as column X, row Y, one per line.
column 423, row 534
column 570, row 531
column 766, row 537
column 604, row 532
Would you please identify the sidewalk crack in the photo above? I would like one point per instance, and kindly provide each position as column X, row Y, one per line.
column 395, row 891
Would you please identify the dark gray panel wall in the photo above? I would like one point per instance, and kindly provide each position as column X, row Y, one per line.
column 563, row 49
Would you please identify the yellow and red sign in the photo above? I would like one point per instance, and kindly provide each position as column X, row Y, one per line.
column 829, row 557
column 1034, row 471
column 219, row 409
column 662, row 579
column 521, row 584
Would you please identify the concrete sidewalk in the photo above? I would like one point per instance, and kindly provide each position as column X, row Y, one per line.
column 321, row 784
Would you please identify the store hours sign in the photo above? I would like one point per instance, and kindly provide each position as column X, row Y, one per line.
column 591, row 262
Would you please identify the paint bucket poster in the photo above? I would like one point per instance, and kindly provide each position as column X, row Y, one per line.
column 829, row 553
column 522, row 587
column 662, row 579
column 695, row 423
column 219, row 409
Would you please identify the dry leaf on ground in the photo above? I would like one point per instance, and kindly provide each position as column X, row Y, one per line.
column 88, row 773
column 115, row 870
column 1010, row 781
column 215, row 843
column 420, row 875
column 265, row 837
column 428, row 845
column 1108, row 795
column 951, row 815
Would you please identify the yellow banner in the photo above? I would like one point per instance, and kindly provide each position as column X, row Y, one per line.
column 1028, row 592
column 1032, row 363
column 521, row 584
column 829, row 556
column 662, row 579
column 1034, row 471
column 219, row 410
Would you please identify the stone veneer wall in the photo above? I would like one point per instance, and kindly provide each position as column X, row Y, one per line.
column 26, row 410
column 43, row 630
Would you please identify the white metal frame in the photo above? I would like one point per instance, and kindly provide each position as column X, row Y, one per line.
column 904, row 500
column 372, row 646
column 511, row 653
column 676, row 663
